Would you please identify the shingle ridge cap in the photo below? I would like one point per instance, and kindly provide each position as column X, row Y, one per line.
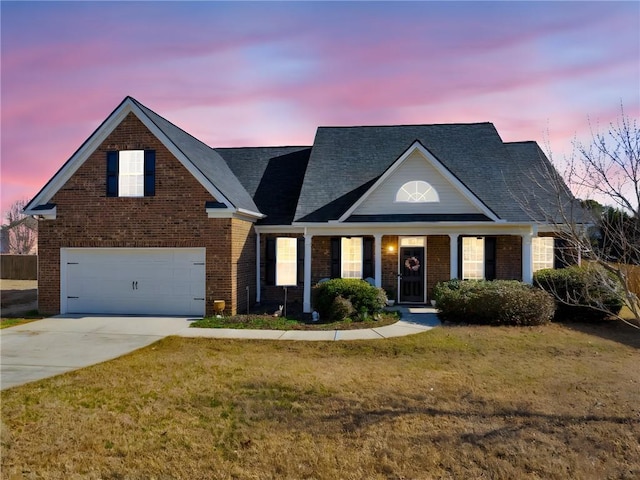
column 406, row 125
column 263, row 146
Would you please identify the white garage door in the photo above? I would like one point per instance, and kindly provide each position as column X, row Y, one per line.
column 161, row 281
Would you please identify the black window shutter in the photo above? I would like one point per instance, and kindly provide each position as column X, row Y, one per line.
column 336, row 257
column 149, row 173
column 561, row 258
column 270, row 261
column 460, row 258
column 300, row 253
column 367, row 257
column 112, row 174
column 490, row 258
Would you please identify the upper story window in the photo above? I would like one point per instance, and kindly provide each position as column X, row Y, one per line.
column 543, row 252
column 417, row 191
column 131, row 173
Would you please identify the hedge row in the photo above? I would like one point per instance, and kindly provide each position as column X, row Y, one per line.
column 585, row 292
column 497, row 302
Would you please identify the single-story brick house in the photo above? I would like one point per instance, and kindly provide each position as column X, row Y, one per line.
column 144, row 218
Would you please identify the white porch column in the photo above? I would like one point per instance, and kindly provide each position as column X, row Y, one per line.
column 527, row 258
column 377, row 252
column 306, row 298
column 453, row 255
column 258, row 267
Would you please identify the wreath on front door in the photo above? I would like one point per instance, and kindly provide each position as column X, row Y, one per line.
column 412, row 263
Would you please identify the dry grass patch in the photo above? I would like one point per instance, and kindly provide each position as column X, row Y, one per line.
column 546, row 402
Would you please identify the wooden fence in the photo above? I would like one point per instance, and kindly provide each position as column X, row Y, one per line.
column 634, row 278
column 19, row 267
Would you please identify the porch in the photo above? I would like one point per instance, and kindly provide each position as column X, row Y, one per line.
column 407, row 265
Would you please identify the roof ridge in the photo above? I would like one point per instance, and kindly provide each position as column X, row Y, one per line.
column 407, row 125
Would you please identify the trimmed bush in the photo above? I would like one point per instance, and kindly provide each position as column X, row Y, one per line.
column 581, row 292
column 497, row 302
column 365, row 300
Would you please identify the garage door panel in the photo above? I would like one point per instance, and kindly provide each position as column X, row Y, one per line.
column 134, row 281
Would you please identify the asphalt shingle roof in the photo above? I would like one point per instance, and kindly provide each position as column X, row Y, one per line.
column 272, row 176
column 346, row 161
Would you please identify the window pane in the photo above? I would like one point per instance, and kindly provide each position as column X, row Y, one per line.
column 417, row 191
column 543, row 253
column 472, row 258
column 351, row 257
column 131, row 173
column 286, row 258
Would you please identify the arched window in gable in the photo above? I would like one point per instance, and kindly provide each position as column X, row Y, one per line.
column 417, row 191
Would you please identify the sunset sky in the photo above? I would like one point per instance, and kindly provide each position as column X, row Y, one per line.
column 270, row 73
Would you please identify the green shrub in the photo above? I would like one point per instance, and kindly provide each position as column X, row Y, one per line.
column 581, row 292
column 497, row 302
column 365, row 299
column 342, row 308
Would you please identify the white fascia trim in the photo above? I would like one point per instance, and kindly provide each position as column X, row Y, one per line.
column 50, row 214
column 420, row 229
column 279, row 229
column 249, row 213
column 457, row 184
column 233, row 213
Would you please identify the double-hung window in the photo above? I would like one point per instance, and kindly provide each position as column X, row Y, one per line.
column 286, row 261
column 543, row 253
column 472, row 258
column 352, row 257
column 351, row 265
column 131, row 173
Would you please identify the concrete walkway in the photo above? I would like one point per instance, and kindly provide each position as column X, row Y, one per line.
column 414, row 320
column 55, row 345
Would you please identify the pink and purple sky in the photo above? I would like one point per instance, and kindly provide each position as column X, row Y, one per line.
column 246, row 74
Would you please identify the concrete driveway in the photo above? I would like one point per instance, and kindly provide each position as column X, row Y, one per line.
column 55, row 345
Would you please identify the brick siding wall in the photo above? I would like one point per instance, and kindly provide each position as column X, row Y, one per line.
column 438, row 261
column 509, row 257
column 174, row 217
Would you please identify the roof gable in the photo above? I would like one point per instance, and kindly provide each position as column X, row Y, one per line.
column 199, row 159
column 353, row 158
column 449, row 196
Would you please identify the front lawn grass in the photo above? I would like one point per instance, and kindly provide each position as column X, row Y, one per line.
column 12, row 322
column 548, row 402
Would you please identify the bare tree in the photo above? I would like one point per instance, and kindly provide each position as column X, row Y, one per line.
column 606, row 170
column 21, row 231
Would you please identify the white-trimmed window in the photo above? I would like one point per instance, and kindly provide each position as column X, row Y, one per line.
column 286, row 261
column 472, row 258
column 131, row 173
column 417, row 191
column 351, row 263
column 543, row 253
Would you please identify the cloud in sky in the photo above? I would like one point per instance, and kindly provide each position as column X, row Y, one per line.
column 242, row 74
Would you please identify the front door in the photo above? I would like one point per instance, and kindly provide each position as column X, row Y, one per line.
column 411, row 275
